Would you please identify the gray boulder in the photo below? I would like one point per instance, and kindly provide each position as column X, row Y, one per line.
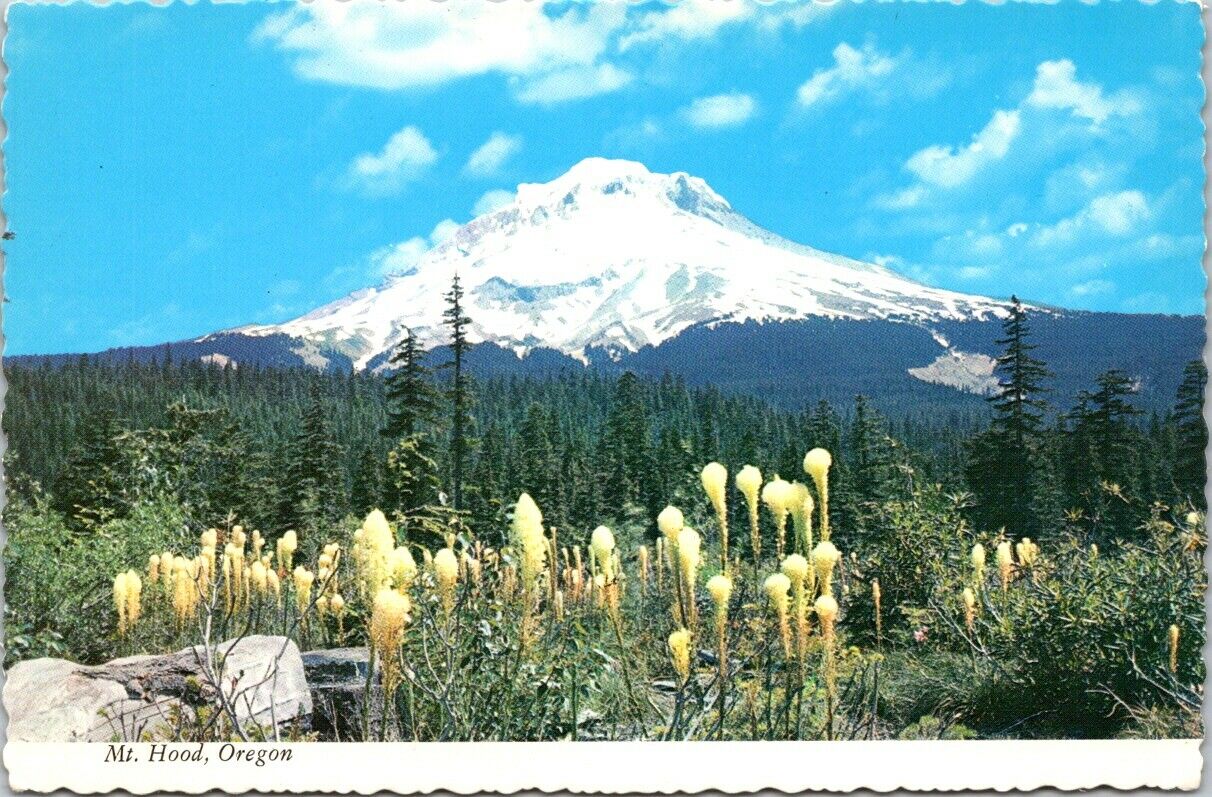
column 338, row 691
column 52, row 700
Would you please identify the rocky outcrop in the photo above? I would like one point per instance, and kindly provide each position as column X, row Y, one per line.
column 261, row 679
column 337, row 679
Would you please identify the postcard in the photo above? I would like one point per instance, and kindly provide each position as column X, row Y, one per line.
column 604, row 396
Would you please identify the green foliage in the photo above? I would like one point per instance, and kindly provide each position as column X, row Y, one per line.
column 1080, row 640
column 59, row 584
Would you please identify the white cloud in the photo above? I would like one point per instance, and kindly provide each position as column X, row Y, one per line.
column 688, row 20
column 492, row 200
column 573, row 83
column 443, row 231
column 720, row 110
column 948, row 167
column 399, row 258
column 549, row 51
column 1092, row 288
column 851, row 70
column 1056, row 86
column 417, row 45
column 490, row 156
column 1033, row 130
column 1116, row 215
column 403, row 159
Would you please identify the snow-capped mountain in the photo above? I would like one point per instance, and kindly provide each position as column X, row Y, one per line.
column 611, row 255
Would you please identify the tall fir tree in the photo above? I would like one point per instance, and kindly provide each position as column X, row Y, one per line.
column 1190, row 465
column 1001, row 470
column 315, row 479
column 460, row 393
column 1108, row 455
column 90, row 487
column 413, row 403
column 366, row 491
column 870, row 456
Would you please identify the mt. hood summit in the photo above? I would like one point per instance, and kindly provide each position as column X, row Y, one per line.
column 613, row 256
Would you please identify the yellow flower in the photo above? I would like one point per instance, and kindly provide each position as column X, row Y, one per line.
column 601, row 542
column 337, row 604
column 389, row 617
column 1027, row 552
column 259, row 577
column 778, row 587
column 978, row 562
column 303, row 579
column 679, row 649
column 802, row 507
column 1005, row 563
column 816, row 464
column 153, row 568
column 530, row 540
column 1174, row 648
column 670, row 522
column 120, row 588
column 749, row 482
column 446, row 569
column 827, row 611
column 825, row 557
column 876, row 597
column 288, row 543
column 715, row 484
column 689, row 545
column 720, row 588
column 969, row 608
column 402, row 568
column 796, row 569
column 777, row 495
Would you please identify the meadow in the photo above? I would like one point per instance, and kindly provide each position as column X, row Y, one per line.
column 764, row 631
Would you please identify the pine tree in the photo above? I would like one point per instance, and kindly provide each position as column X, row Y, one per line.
column 1109, row 468
column 90, row 488
column 870, row 455
column 1190, row 468
column 412, row 407
column 412, row 399
column 1003, row 459
column 314, row 496
column 460, row 393
column 366, row 493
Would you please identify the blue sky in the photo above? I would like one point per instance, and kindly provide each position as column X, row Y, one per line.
column 176, row 170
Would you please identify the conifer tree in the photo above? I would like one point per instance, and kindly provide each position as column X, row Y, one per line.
column 460, row 393
column 89, row 490
column 366, row 492
column 1109, row 457
column 870, row 456
column 315, row 490
column 412, row 399
column 1190, row 468
column 1003, row 459
column 412, row 408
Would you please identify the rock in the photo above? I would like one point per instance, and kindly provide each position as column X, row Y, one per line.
column 52, row 700
column 337, row 679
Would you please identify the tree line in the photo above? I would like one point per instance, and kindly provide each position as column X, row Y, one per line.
column 294, row 448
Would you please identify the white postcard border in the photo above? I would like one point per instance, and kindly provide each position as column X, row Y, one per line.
column 614, row 767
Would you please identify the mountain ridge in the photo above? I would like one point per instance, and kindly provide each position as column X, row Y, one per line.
column 613, row 256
